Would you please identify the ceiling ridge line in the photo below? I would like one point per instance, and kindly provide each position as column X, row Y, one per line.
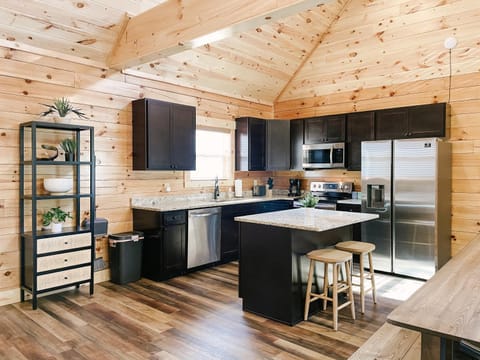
column 308, row 56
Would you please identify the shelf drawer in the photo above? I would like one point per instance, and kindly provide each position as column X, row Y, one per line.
column 63, row 277
column 60, row 243
column 62, row 260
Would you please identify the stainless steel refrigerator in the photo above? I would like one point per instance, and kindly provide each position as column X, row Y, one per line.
column 408, row 184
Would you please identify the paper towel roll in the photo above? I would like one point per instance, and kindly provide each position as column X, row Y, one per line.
column 238, row 188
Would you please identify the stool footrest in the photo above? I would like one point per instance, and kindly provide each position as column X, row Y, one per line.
column 345, row 304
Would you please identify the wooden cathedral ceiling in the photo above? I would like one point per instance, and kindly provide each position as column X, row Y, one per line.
column 275, row 51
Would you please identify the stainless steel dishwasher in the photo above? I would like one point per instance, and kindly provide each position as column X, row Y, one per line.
column 203, row 246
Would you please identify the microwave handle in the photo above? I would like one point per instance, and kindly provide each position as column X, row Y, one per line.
column 331, row 154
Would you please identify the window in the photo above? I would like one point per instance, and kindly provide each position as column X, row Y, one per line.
column 214, row 154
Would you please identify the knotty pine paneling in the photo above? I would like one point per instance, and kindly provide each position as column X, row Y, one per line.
column 383, row 43
column 27, row 81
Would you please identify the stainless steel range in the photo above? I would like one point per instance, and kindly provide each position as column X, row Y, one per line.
column 328, row 193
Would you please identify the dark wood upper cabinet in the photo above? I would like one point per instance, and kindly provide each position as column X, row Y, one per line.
column 250, row 141
column 411, row 122
column 360, row 127
column 325, row 129
column 262, row 144
column 163, row 135
column 278, row 145
column 296, row 143
column 428, row 120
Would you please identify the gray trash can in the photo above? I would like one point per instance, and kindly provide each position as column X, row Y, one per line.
column 125, row 253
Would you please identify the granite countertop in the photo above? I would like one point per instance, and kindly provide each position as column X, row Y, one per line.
column 309, row 219
column 170, row 203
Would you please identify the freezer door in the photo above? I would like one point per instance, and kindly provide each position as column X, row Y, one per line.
column 414, row 174
column 376, row 199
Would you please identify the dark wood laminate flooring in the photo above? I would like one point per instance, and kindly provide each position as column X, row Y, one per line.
column 197, row 316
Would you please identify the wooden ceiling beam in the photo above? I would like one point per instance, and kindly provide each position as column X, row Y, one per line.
column 176, row 26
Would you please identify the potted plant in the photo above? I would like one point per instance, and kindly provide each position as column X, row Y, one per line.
column 309, row 200
column 62, row 107
column 68, row 146
column 55, row 217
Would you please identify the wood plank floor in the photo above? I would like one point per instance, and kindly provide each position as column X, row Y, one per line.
column 197, row 316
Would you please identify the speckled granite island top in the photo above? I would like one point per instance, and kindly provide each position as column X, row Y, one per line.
column 308, row 219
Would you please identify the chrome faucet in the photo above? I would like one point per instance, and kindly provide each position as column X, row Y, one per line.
column 216, row 191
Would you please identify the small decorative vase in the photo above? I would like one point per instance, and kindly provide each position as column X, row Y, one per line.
column 56, row 227
column 69, row 156
column 62, row 120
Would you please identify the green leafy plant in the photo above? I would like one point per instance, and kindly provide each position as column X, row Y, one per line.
column 62, row 107
column 68, row 145
column 55, row 215
column 309, row 200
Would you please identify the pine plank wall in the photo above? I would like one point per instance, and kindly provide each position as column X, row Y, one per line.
column 27, row 79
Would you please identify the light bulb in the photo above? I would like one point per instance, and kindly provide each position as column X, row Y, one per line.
column 450, row 42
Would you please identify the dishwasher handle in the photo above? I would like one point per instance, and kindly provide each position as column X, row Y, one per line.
column 201, row 215
column 205, row 212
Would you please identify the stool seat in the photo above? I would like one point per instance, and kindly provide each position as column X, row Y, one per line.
column 336, row 259
column 355, row 247
column 361, row 248
column 330, row 256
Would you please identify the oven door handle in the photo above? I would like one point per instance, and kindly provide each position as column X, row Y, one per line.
column 326, row 206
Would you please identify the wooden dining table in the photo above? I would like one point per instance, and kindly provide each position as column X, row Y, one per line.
column 446, row 309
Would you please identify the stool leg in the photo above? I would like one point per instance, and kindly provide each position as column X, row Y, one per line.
column 325, row 284
column 348, row 271
column 309, row 290
column 372, row 276
column 335, row 297
column 362, row 287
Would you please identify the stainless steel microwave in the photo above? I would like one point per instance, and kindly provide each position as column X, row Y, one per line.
column 324, row 156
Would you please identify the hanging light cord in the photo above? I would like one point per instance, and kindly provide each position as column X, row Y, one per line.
column 450, row 75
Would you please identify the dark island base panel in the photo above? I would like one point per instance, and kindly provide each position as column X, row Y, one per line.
column 274, row 269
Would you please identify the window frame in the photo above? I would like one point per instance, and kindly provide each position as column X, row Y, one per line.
column 227, row 126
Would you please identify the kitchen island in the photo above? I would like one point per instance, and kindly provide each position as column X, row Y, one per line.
column 273, row 266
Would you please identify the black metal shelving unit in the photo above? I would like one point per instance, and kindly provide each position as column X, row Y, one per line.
column 64, row 259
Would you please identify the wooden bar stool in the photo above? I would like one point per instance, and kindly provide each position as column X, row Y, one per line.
column 336, row 258
column 361, row 248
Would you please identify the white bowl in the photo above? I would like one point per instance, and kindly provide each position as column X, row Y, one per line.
column 58, row 185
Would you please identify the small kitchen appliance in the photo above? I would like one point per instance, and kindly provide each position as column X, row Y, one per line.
column 323, row 156
column 294, row 187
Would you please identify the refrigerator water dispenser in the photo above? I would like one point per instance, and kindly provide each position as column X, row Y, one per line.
column 375, row 196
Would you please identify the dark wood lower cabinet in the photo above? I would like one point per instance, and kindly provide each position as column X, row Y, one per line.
column 165, row 243
column 165, row 236
column 230, row 234
column 357, row 228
